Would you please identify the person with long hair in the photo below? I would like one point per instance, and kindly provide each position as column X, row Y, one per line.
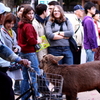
column 58, row 31
column 27, row 40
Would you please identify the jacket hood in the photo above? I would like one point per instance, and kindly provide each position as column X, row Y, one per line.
column 86, row 17
column 20, row 24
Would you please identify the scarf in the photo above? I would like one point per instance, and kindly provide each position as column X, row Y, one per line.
column 39, row 19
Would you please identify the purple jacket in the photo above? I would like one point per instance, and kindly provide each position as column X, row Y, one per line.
column 90, row 40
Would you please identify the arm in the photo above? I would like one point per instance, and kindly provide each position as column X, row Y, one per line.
column 91, row 34
column 7, row 54
column 49, row 33
column 16, row 47
column 67, row 30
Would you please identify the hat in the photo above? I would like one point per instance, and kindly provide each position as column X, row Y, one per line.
column 77, row 7
column 3, row 8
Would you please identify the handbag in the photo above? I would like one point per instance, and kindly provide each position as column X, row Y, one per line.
column 73, row 44
column 14, row 66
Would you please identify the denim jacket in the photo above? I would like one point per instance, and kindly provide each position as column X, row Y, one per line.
column 7, row 54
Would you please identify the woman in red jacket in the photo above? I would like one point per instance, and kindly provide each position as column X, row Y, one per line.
column 27, row 40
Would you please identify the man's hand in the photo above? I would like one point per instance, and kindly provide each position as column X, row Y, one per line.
column 94, row 50
column 25, row 62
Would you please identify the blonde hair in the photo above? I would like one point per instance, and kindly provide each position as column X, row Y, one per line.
column 62, row 16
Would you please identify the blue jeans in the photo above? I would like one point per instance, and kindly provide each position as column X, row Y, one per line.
column 34, row 63
column 89, row 55
column 62, row 51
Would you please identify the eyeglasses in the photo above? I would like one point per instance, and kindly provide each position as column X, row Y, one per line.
column 56, row 11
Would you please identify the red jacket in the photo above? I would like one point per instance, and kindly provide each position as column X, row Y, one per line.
column 27, row 37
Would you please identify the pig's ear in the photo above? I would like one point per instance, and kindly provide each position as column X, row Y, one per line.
column 58, row 58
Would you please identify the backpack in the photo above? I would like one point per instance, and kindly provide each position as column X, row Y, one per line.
column 72, row 42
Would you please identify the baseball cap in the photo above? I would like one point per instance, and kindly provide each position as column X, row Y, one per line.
column 77, row 7
column 3, row 8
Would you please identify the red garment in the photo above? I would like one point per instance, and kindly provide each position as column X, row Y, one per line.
column 97, row 28
column 27, row 37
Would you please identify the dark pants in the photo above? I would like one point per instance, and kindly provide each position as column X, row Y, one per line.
column 77, row 56
column 6, row 91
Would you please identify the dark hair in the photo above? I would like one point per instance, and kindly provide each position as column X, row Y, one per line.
column 9, row 18
column 26, row 10
column 20, row 8
column 62, row 17
column 88, row 6
column 41, row 8
column 96, row 12
column 53, row 3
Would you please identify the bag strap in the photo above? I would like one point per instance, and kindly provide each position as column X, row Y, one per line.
column 77, row 29
column 66, row 25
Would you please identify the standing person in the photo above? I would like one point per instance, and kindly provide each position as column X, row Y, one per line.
column 78, row 31
column 9, row 37
column 90, row 40
column 27, row 40
column 6, row 91
column 51, row 5
column 96, row 18
column 38, row 23
column 58, row 34
column 19, row 14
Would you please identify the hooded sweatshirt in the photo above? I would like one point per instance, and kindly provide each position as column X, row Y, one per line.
column 27, row 37
column 90, row 40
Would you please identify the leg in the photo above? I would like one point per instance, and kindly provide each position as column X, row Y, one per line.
column 77, row 56
column 68, row 57
column 6, row 91
column 34, row 63
column 71, row 97
column 89, row 55
column 24, row 83
column 17, row 87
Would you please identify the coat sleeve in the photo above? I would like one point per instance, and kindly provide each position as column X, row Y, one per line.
column 91, row 34
column 70, row 31
column 7, row 54
column 31, row 35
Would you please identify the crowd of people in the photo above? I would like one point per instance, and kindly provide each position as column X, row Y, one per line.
column 21, row 33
